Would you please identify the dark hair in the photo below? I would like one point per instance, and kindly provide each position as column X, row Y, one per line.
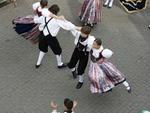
column 54, row 9
column 43, row 3
column 69, row 104
column 86, row 30
column 98, row 41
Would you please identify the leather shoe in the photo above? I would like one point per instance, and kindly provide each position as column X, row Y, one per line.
column 62, row 66
column 74, row 74
column 104, row 5
column 79, row 85
column 37, row 66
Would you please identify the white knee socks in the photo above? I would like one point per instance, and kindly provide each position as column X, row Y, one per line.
column 106, row 3
column 41, row 55
column 81, row 78
column 73, row 69
column 126, row 84
column 111, row 3
column 59, row 61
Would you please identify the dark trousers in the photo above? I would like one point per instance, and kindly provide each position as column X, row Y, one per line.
column 52, row 42
column 82, row 58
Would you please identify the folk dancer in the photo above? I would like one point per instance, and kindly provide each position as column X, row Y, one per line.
column 26, row 27
column 103, row 75
column 83, row 43
column 90, row 12
column 49, row 28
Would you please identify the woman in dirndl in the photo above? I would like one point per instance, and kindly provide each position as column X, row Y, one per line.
column 26, row 27
column 103, row 75
column 90, row 12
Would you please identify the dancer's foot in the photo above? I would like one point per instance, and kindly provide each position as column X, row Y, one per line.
column 79, row 85
column 74, row 74
column 62, row 66
column 109, row 7
column 129, row 89
column 104, row 5
column 37, row 66
column 90, row 25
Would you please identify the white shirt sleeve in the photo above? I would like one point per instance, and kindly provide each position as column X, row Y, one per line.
column 66, row 24
column 90, row 41
column 75, row 33
column 36, row 5
column 39, row 20
column 46, row 12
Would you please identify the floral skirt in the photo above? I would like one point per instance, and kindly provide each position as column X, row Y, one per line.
column 26, row 27
column 103, row 77
column 91, row 11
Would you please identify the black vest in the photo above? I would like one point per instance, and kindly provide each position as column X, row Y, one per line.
column 80, row 46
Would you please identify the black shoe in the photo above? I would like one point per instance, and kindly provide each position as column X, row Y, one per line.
column 149, row 26
column 104, row 5
column 79, row 85
column 74, row 74
column 62, row 66
column 37, row 66
column 90, row 25
column 108, row 91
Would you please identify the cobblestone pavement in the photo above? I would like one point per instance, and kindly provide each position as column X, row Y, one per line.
column 23, row 89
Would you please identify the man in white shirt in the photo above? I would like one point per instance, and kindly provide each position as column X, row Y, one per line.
column 49, row 28
column 83, row 44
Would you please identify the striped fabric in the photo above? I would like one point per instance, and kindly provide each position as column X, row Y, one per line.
column 91, row 11
column 103, row 77
column 26, row 27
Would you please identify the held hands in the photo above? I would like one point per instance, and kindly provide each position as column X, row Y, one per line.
column 61, row 17
column 78, row 28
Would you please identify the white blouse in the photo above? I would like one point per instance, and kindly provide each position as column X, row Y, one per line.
column 36, row 5
column 44, row 11
column 96, row 52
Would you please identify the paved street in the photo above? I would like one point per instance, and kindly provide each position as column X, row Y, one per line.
column 24, row 89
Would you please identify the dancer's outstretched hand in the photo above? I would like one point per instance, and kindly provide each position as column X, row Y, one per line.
column 53, row 105
column 74, row 105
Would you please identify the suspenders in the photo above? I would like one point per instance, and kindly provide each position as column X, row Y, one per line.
column 46, row 23
column 84, row 47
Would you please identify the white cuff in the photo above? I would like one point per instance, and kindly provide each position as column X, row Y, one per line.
column 54, row 111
